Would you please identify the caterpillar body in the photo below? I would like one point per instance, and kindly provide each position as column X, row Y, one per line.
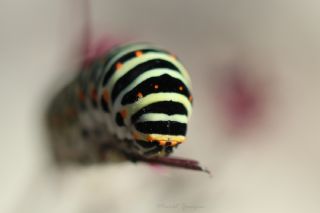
column 134, row 101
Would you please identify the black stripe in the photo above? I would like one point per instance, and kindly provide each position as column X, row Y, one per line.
column 162, row 127
column 165, row 82
column 125, row 80
column 123, row 59
column 166, row 107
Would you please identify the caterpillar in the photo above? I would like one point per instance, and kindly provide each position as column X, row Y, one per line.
column 132, row 103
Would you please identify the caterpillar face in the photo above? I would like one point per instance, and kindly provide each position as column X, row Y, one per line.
column 160, row 126
column 149, row 97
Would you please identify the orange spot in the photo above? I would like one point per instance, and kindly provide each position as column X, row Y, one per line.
column 162, row 143
column 156, row 86
column 173, row 56
column 118, row 65
column 81, row 95
column 138, row 53
column 139, row 95
column 149, row 139
column 106, row 96
column 173, row 143
column 135, row 136
column 94, row 94
column 124, row 113
column 181, row 88
column 190, row 98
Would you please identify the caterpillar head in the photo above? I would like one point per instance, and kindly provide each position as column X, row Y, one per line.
column 158, row 137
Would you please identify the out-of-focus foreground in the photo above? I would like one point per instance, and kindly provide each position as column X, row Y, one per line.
column 256, row 115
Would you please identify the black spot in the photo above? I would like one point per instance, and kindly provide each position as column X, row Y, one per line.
column 119, row 119
column 168, row 149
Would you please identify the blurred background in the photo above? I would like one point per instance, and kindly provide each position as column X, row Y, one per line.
column 255, row 72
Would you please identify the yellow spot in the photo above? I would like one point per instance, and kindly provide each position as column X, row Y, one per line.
column 118, row 65
column 173, row 56
column 181, row 88
column 139, row 95
column 138, row 53
column 124, row 113
column 156, row 86
column 149, row 138
column 106, row 96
